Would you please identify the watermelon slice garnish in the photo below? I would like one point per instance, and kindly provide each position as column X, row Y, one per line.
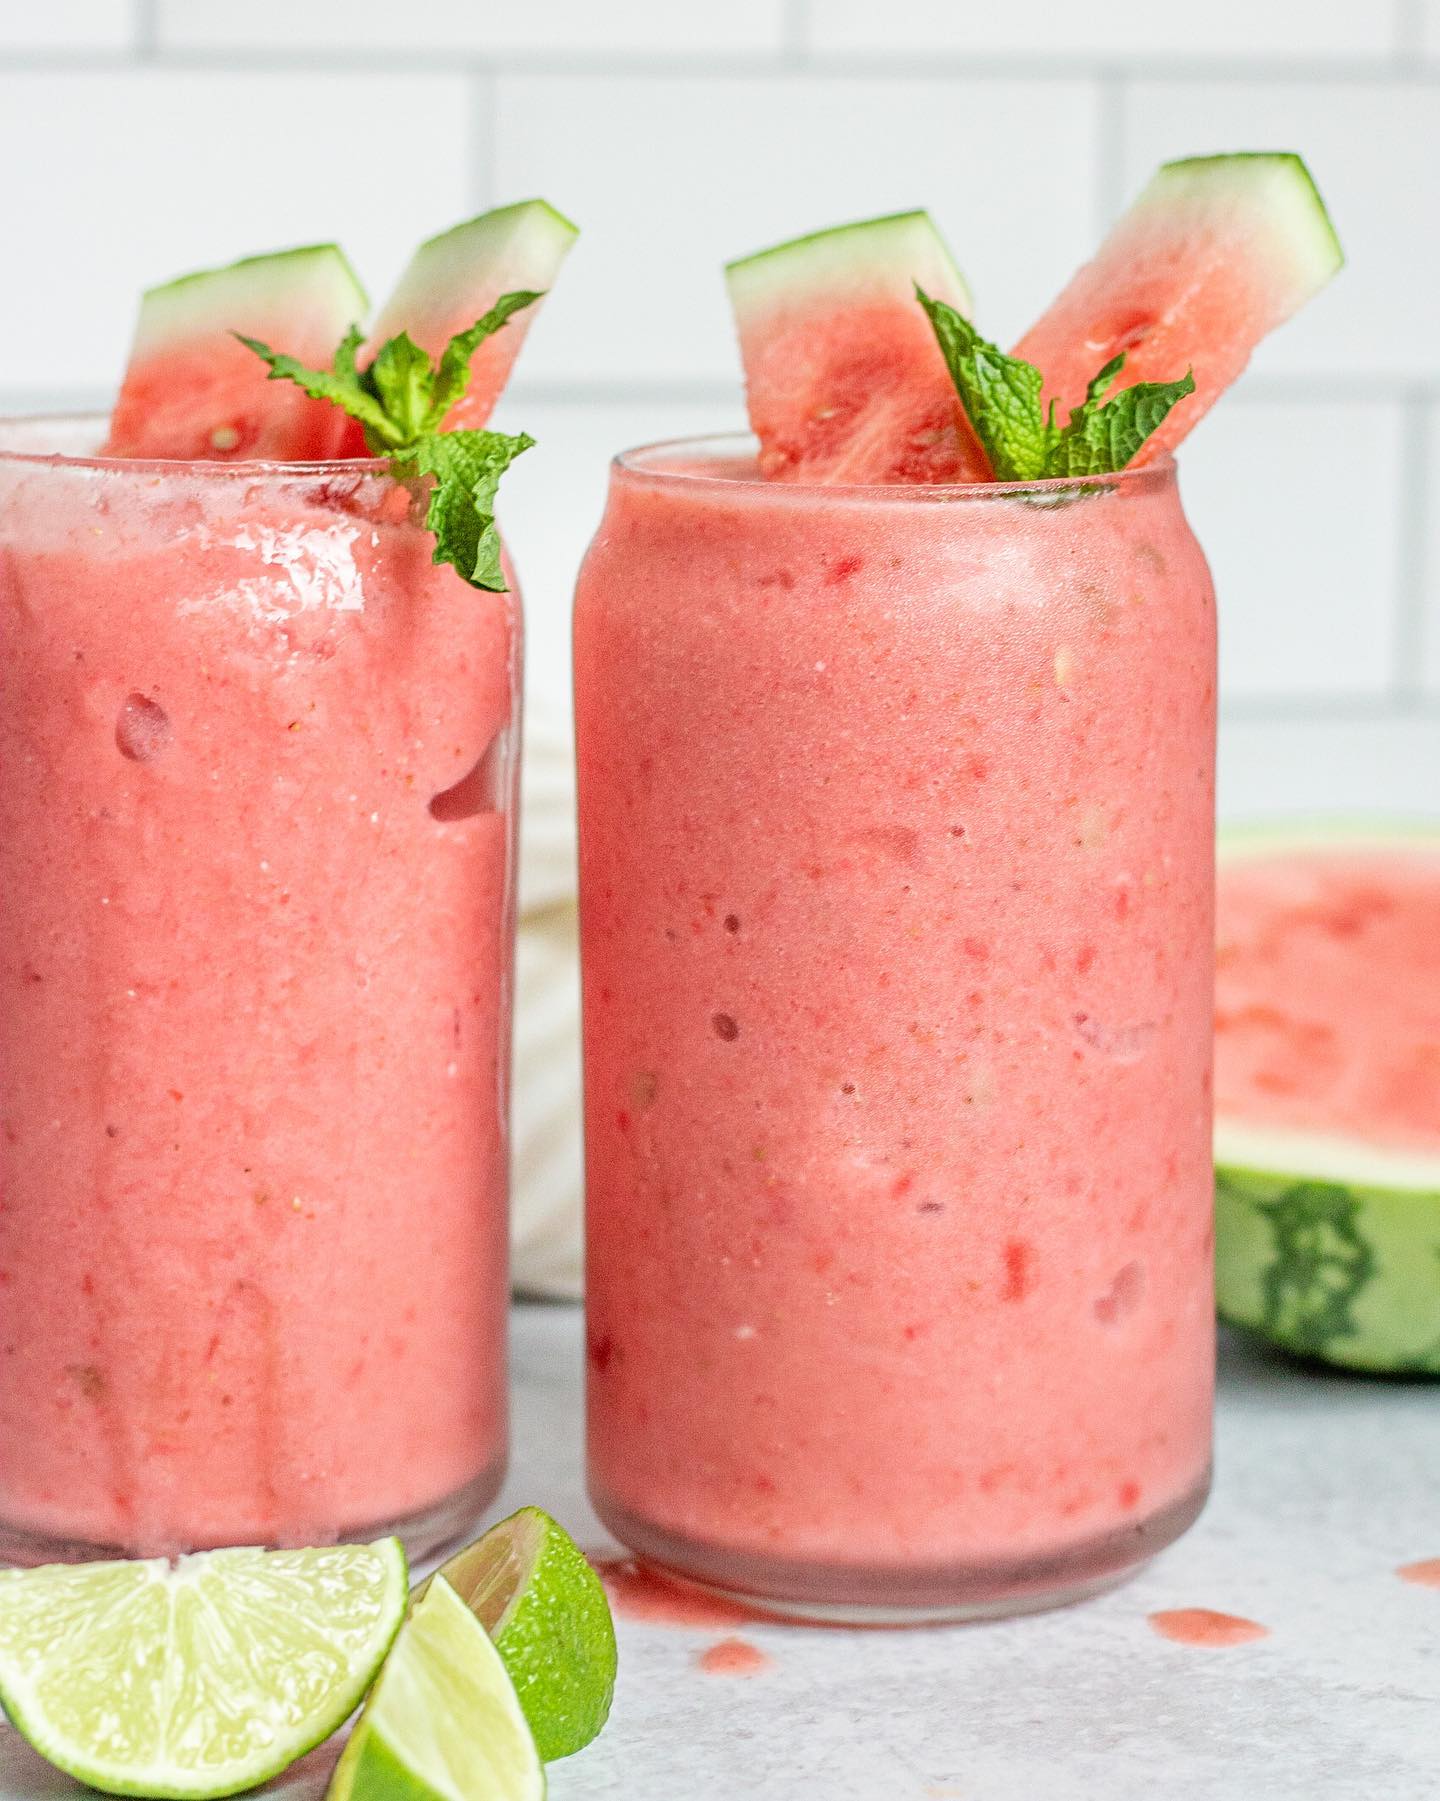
column 1216, row 252
column 192, row 391
column 843, row 377
column 453, row 279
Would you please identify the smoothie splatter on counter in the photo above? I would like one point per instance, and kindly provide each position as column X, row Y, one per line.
column 639, row 1593
column 1206, row 1629
column 733, row 1657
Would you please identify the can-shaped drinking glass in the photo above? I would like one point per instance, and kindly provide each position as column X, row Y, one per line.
column 896, row 815
column 257, row 759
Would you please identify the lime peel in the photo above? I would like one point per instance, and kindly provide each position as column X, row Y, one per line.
column 532, row 1589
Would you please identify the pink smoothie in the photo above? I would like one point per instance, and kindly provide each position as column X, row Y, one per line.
column 253, row 1009
column 896, row 865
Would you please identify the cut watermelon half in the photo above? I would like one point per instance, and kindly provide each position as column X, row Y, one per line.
column 1327, row 1092
column 1216, row 252
column 454, row 279
column 843, row 377
column 192, row 391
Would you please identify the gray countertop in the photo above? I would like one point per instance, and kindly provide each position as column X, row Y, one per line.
column 1325, row 1485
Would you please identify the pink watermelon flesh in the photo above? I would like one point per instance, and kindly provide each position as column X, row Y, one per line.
column 454, row 279
column 1216, row 252
column 192, row 391
column 1328, row 992
column 844, row 380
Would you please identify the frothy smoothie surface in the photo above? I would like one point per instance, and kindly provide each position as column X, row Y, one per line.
column 254, row 854
column 895, row 842
column 1328, row 992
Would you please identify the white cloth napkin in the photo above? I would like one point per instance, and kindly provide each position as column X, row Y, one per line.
column 545, row 1217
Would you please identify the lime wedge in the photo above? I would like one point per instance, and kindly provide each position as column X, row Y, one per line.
column 442, row 1723
column 197, row 1679
column 528, row 1584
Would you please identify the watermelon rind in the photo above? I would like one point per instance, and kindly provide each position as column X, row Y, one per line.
column 456, row 276
column 844, row 261
column 1214, row 254
column 1329, row 1246
column 249, row 288
column 531, row 231
column 844, row 380
column 192, row 390
column 1275, row 183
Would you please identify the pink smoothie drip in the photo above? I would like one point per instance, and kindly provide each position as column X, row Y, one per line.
column 733, row 1657
column 1207, row 1630
column 637, row 1592
column 252, row 1030
column 896, row 838
column 1327, row 1014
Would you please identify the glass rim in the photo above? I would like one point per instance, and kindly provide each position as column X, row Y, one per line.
column 203, row 468
column 646, row 463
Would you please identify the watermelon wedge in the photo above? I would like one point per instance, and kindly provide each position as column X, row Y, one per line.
column 192, row 391
column 453, row 279
column 1216, row 252
column 844, row 380
column 1327, row 1092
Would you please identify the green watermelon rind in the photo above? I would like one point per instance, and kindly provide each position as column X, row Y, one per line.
column 250, row 288
column 1296, row 218
column 443, row 264
column 826, row 262
column 1329, row 1246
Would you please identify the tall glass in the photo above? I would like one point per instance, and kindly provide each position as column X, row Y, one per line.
column 896, row 814
column 256, row 848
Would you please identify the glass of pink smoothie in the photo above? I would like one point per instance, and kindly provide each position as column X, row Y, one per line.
column 896, row 814
column 256, row 833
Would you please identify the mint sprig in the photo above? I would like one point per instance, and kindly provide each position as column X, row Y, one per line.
column 1001, row 396
column 402, row 399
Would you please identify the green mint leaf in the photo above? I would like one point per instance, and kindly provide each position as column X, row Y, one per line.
column 453, row 374
column 467, row 466
column 1105, row 435
column 345, row 354
column 402, row 400
column 401, row 379
column 340, row 384
column 1100, row 384
column 1001, row 394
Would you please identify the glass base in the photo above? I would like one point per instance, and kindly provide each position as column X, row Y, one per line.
column 426, row 1534
column 869, row 1595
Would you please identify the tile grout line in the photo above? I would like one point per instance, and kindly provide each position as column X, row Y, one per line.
column 482, row 138
column 586, row 390
column 794, row 32
column 1110, row 148
column 1408, row 671
column 1329, row 709
column 147, row 29
column 1371, row 70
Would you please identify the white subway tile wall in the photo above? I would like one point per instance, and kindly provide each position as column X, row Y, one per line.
column 1122, row 31
column 671, row 175
column 145, row 137
column 74, row 25
column 635, row 28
